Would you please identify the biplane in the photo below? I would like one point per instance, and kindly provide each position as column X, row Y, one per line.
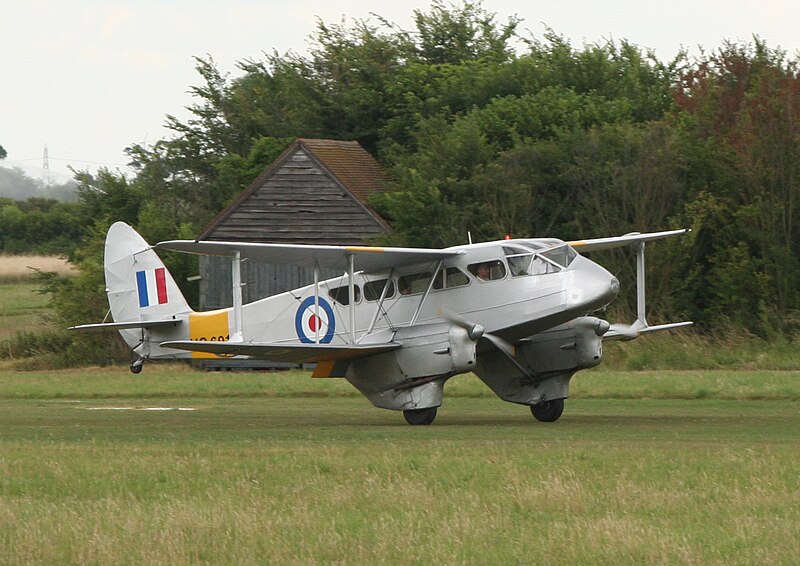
column 399, row 322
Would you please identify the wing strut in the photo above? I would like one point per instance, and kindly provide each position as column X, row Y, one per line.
column 316, row 303
column 640, row 302
column 427, row 292
column 379, row 305
column 640, row 325
column 351, row 289
column 236, row 284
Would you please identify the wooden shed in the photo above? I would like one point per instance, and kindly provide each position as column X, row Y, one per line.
column 316, row 192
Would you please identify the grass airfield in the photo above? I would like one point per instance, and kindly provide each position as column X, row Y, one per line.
column 100, row 466
column 283, row 469
column 174, row 466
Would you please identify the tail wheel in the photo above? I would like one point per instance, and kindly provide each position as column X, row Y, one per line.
column 420, row 416
column 137, row 365
column 549, row 411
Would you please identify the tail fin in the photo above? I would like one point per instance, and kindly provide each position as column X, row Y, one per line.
column 138, row 285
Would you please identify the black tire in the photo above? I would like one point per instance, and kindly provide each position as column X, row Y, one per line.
column 137, row 366
column 420, row 416
column 549, row 411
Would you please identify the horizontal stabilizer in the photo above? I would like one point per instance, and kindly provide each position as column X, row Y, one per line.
column 125, row 325
column 617, row 241
column 294, row 353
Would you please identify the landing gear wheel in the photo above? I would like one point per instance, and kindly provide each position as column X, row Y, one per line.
column 137, row 365
column 420, row 416
column 549, row 411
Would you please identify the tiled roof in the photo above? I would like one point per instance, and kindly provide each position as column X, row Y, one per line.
column 356, row 169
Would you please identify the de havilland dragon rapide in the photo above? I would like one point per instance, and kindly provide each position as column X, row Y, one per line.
column 399, row 322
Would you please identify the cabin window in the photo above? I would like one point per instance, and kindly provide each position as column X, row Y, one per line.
column 519, row 260
column 414, row 283
column 488, row 270
column 525, row 262
column 562, row 255
column 373, row 289
column 450, row 277
column 342, row 294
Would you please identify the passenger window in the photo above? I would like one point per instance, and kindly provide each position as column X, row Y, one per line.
column 342, row 294
column 488, row 270
column 449, row 278
column 373, row 290
column 414, row 283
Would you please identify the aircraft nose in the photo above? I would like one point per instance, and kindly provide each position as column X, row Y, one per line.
column 606, row 288
column 592, row 286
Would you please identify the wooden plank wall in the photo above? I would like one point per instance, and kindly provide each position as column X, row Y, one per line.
column 299, row 203
column 260, row 279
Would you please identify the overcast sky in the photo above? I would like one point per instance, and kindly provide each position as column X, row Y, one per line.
column 89, row 78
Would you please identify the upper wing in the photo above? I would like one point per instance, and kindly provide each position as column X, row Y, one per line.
column 617, row 241
column 368, row 259
column 295, row 353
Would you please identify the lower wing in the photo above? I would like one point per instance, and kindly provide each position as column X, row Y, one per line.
column 294, row 353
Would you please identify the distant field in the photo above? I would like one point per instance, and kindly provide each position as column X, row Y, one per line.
column 100, row 466
column 20, row 267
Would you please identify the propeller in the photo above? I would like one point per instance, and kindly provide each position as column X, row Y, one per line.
column 474, row 331
column 599, row 325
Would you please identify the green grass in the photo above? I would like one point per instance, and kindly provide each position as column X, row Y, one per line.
column 22, row 308
column 689, row 350
column 178, row 380
column 283, row 469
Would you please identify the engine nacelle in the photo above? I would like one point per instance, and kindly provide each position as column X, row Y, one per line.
column 434, row 349
column 573, row 346
column 550, row 359
column 430, row 354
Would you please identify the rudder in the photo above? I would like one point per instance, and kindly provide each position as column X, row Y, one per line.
column 138, row 285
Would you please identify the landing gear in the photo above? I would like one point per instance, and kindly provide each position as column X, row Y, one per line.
column 137, row 365
column 549, row 411
column 420, row 416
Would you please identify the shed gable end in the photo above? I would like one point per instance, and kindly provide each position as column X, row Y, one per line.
column 299, row 202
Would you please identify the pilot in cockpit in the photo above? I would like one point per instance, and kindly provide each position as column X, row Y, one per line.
column 484, row 271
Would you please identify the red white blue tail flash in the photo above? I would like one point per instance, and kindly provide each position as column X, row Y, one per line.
column 152, row 287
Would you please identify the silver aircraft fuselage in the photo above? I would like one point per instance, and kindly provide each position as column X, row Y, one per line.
column 526, row 293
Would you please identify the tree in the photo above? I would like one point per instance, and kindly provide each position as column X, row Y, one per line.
column 456, row 34
column 741, row 106
column 480, row 136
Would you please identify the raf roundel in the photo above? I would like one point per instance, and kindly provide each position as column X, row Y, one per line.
column 309, row 324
